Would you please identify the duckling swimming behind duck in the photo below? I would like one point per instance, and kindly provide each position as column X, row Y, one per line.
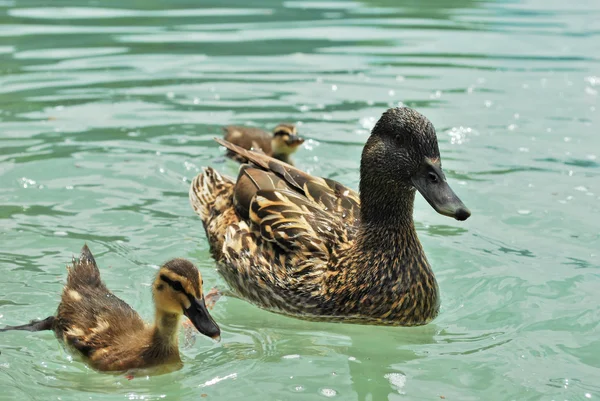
column 109, row 333
column 281, row 144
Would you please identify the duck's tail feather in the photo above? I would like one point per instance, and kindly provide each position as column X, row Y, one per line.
column 84, row 271
column 34, row 325
column 211, row 197
column 207, row 189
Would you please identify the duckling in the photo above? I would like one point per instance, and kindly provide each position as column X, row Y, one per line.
column 281, row 144
column 109, row 334
column 312, row 248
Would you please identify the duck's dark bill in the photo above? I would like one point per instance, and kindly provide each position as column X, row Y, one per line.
column 440, row 196
column 201, row 319
column 294, row 140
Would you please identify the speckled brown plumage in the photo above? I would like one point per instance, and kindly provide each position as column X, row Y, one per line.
column 280, row 144
column 312, row 248
column 108, row 333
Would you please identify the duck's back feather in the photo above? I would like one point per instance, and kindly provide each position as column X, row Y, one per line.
column 331, row 196
column 282, row 228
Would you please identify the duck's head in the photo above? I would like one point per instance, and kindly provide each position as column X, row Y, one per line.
column 177, row 290
column 285, row 139
column 402, row 154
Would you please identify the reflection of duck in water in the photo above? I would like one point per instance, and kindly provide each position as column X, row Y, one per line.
column 312, row 248
column 111, row 335
column 281, row 144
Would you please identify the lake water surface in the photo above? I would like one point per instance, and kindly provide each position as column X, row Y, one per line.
column 108, row 109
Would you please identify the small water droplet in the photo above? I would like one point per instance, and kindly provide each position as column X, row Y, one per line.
column 328, row 392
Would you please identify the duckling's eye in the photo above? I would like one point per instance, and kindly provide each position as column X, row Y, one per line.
column 176, row 285
column 433, row 177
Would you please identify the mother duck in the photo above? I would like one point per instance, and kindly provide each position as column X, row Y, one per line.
column 313, row 248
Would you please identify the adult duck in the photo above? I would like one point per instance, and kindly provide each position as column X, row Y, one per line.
column 313, row 248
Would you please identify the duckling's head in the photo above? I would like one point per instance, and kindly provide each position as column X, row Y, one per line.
column 178, row 290
column 402, row 155
column 285, row 139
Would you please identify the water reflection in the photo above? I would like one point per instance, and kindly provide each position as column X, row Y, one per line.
column 108, row 111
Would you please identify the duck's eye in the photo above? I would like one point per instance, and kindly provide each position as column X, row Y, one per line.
column 176, row 285
column 433, row 177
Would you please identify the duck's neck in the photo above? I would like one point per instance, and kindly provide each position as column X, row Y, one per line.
column 166, row 330
column 388, row 257
column 388, row 231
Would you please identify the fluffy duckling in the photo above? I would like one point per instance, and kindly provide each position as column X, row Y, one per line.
column 281, row 144
column 110, row 334
column 315, row 249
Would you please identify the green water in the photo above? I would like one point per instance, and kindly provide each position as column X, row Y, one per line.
column 107, row 110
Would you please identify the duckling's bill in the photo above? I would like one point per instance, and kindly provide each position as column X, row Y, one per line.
column 430, row 181
column 294, row 141
column 201, row 319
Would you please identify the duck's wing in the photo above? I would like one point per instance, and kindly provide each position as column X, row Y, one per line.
column 303, row 218
column 89, row 316
column 329, row 195
column 295, row 224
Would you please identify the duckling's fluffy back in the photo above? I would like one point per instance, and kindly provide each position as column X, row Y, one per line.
column 90, row 317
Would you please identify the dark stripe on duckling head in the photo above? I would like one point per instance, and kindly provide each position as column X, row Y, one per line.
column 176, row 285
column 284, row 129
column 185, row 269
